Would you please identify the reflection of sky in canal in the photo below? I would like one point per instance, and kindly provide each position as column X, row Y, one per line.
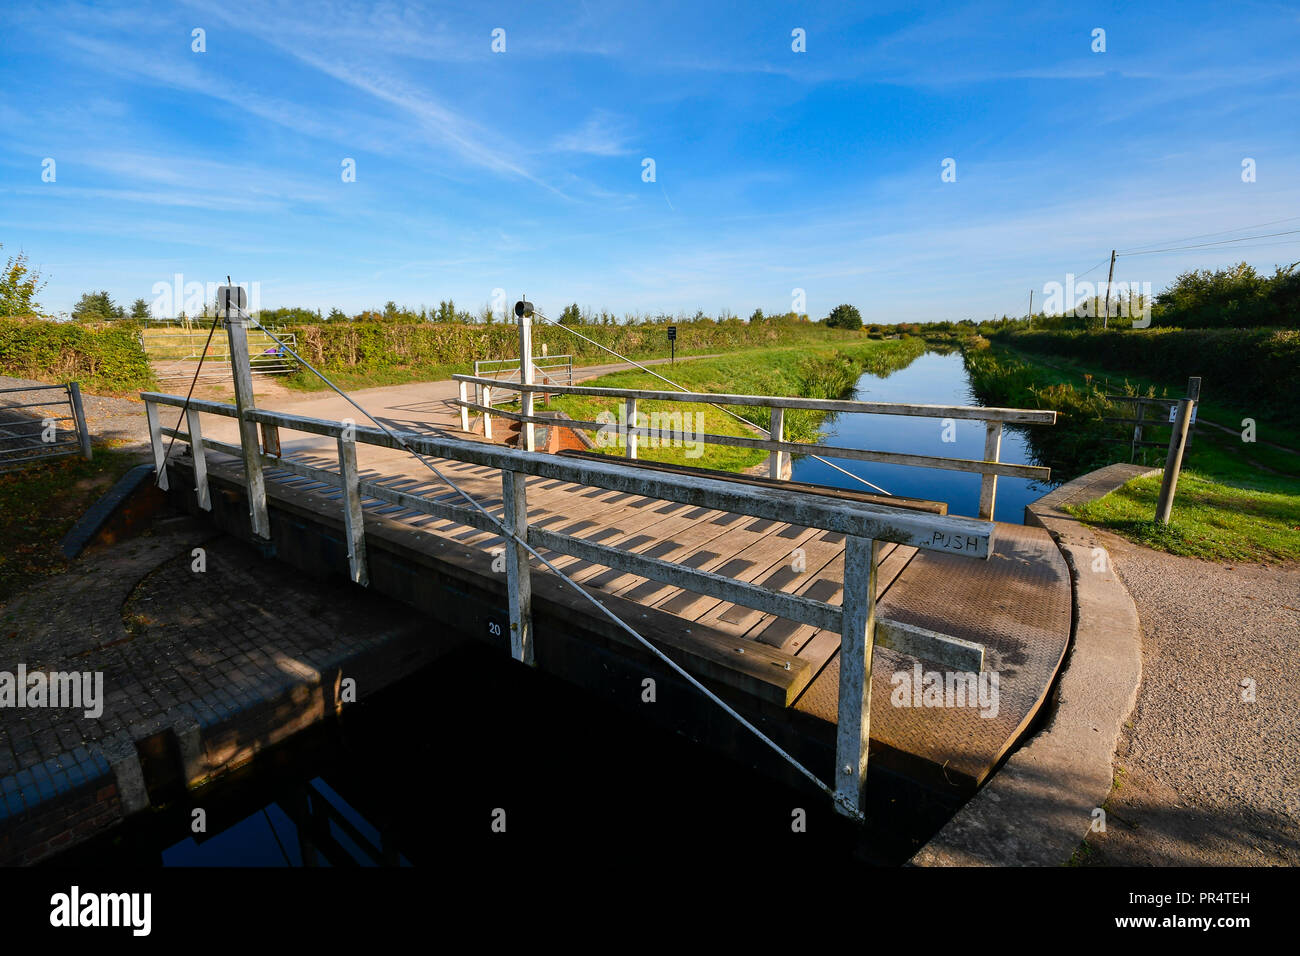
column 933, row 379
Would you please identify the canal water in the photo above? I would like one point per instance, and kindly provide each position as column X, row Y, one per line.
column 933, row 379
column 414, row 776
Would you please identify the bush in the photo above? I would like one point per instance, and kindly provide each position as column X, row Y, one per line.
column 102, row 358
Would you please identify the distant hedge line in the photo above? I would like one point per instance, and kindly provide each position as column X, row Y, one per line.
column 1252, row 367
column 102, row 358
column 360, row 346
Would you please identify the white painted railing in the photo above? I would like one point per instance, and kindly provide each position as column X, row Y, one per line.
column 865, row 526
column 779, row 450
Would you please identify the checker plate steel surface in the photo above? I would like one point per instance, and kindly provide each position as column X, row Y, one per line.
column 1017, row 604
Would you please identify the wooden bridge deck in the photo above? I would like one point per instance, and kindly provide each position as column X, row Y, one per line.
column 1017, row 603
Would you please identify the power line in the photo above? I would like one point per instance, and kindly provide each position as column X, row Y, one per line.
column 1258, row 225
column 1222, row 242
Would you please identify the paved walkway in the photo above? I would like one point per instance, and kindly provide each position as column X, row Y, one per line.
column 1206, row 777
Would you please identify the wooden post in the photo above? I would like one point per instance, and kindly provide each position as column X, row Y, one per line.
column 1105, row 322
column 464, row 412
column 487, row 418
column 519, row 587
column 778, row 461
column 528, row 433
column 354, row 522
column 1174, row 461
column 200, row 459
column 237, row 334
column 79, row 419
column 857, row 635
column 989, row 483
column 630, row 405
column 155, row 442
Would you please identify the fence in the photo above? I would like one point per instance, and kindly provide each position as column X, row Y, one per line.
column 865, row 526
column 556, row 369
column 1166, row 417
column 780, row 450
column 28, row 436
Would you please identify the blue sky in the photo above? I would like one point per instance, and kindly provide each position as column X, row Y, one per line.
column 522, row 170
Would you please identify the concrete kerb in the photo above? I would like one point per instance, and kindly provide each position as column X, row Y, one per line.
column 1039, row 806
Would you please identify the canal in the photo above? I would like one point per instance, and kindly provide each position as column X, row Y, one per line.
column 932, row 379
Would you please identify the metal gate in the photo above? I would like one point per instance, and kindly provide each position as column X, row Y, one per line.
column 175, row 354
column 38, row 422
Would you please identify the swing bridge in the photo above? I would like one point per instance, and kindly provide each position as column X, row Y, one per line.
column 783, row 612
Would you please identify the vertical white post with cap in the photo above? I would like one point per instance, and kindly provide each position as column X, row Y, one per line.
column 524, row 312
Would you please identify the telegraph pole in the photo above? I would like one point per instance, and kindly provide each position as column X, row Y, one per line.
column 1106, row 318
column 1031, row 308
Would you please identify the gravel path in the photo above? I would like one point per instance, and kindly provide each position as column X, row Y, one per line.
column 1207, row 777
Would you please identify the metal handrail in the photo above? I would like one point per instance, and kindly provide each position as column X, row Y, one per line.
column 990, row 467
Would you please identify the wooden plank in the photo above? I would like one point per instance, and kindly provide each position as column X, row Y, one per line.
column 354, row 522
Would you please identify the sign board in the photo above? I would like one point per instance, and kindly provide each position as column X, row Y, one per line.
column 232, row 297
column 1173, row 414
column 672, row 332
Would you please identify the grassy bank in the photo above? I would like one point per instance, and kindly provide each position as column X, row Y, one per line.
column 813, row 372
column 1211, row 519
column 1236, row 500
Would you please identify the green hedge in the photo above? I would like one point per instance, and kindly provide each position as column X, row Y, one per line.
column 364, row 346
column 102, row 358
column 1258, row 368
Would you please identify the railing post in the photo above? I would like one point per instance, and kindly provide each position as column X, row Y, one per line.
column 989, row 483
column 487, row 417
column 200, row 459
column 1174, row 460
column 156, row 443
column 857, row 634
column 354, row 522
column 79, row 419
column 778, row 461
column 237, row 334
column 630, row 410
column 464, row 412
column 519, row 586
column 528, row 432
column 1137, row 429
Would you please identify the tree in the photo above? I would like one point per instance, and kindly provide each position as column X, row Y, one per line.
column 844, row 317
column 18, row 287
column 756, row 316
column 97, row 307
column 571, row 315
column 336, row 315
column 140, row 309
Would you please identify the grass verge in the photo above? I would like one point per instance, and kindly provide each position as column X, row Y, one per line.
column 1211, row 520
